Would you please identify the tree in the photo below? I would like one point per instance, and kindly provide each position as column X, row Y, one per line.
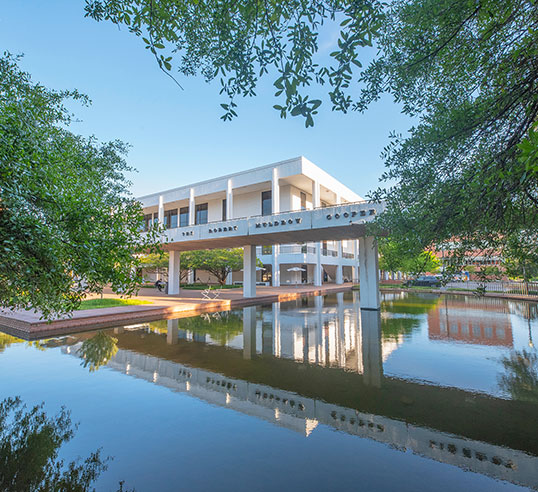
column 242, row 41
column 468, row 71
column 465, row 69
column 218, row 262
column 396, row 257
column 520, row 258
column 30, row 443
column 67, row 224
column 157, row 262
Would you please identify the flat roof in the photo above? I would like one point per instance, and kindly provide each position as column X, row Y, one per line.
column 300, row 159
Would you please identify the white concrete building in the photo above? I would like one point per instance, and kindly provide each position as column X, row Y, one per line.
column 292, row 185
column 267, row 210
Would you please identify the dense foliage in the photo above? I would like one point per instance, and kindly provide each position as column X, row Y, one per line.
column 394, row 257
column 239, row 42
column 468, row 70
column 67, row 224
column 218, row 262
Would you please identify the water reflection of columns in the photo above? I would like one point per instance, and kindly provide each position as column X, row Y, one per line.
column 340, row 334
column 277, row 340
column 249, row 332
column 358, row 333
column 372, row 360
column 319, row 338
column 172, row 331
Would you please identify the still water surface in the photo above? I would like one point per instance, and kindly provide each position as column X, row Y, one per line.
column 434, row 393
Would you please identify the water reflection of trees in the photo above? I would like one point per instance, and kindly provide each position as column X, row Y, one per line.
column 7, row 340
column 521, row 377
column 404, row 312
column 221, row 327
column 98, row 350
column 30, row 443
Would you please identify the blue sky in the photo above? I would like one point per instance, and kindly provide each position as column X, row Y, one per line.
column 177, row 136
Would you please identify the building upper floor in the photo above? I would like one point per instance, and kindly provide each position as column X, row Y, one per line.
column 291, row 185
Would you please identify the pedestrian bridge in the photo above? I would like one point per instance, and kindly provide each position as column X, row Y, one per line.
column 339, row 222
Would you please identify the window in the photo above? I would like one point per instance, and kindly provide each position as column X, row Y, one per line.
column 183, row 216
column 224, row 210
column 303, row 201
column 201, row 214
column 267, row 206
column 170, row 219
column 147, row 221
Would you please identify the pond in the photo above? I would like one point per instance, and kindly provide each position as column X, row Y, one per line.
column 432, row 393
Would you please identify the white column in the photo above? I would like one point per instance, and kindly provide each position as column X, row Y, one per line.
column 316, row 202
column 355, row 268
column 318, row 271
column 316, row 198
column 339, row 271
column 229, row 200
column 275, row 197
column 275, row 191
column 369, row 273
column 191, row 207
column 229, row 279
column 173, row 273
column 276, row 266
column 249, row 271
column 160, row 214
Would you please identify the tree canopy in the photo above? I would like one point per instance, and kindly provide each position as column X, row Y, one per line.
column 239, row 42
column 218, row 262
column 468, row 70
column 67, row 223
column 394, row 257
column 465, row 69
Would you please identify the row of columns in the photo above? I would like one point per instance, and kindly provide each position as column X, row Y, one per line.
column 368, row 270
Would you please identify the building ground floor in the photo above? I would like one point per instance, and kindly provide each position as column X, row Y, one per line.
column 294, row 264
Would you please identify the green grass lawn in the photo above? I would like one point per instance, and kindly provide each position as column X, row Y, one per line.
column 105, row 303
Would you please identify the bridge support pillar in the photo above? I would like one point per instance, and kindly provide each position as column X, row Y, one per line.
column 318, row 271
column 339, row 275
column 369, row 273
column 276, row 266
column 173, row 273
column 249, row 271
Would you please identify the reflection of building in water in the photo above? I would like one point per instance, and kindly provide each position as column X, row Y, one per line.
column 466, row 320
column 303, row 414
column 326, row 333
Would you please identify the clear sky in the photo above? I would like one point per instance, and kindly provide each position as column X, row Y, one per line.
column 177, row 136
